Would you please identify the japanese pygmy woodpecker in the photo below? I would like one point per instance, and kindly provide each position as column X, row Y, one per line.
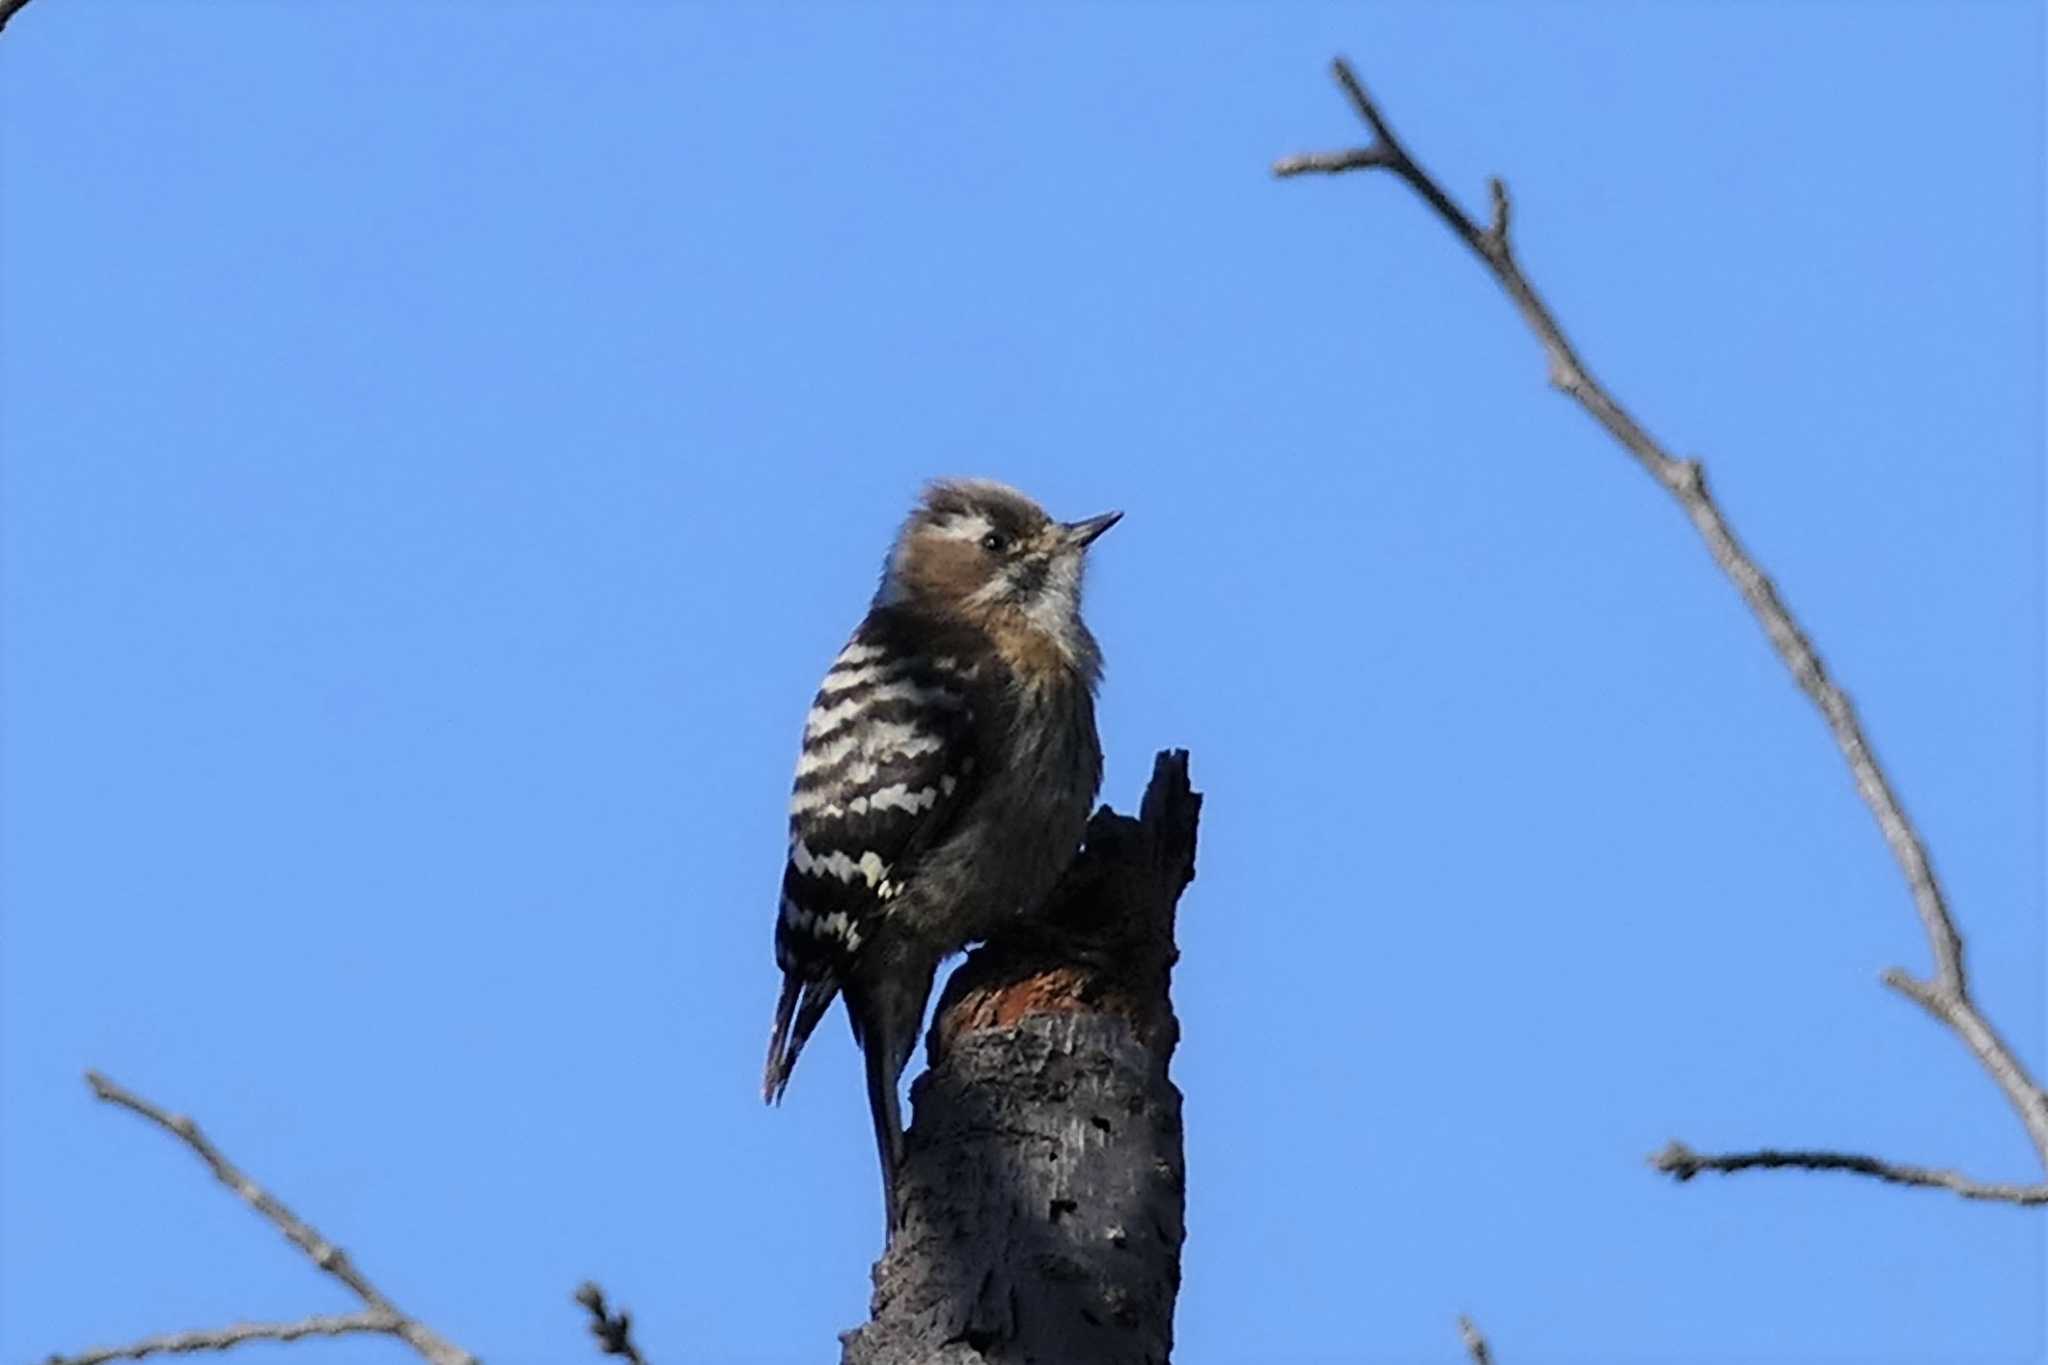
column 949, row 764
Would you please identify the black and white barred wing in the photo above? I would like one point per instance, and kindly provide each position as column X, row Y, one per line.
column 888, row 759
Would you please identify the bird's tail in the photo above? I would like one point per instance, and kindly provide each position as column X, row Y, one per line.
column 803, row 1003
column 886, row 1111
column 885, row 998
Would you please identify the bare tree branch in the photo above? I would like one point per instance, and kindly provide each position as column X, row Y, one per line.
column 1946, row 995
column 1682, row 1163
column 1475, row 1344
column 614, row 1331
column 382, row 1315
column 10, row 8
column 222, row 1338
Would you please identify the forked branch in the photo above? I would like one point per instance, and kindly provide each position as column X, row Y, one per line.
column 379, row 1316
column 1945, row 994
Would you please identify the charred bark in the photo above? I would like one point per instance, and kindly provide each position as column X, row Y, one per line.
column 1043, row 1183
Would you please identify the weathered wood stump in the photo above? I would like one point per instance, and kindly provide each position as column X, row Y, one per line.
column 1043, row 1186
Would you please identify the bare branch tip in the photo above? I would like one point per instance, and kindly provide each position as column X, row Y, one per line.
column 1354, row 90
column 1348, row 78
column 1676, row 1160
column 1475, row 1343
column 614, row 1331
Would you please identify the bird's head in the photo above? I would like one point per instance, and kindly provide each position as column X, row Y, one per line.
column 983, row 553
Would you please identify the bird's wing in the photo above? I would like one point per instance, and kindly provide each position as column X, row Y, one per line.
column 888, row 762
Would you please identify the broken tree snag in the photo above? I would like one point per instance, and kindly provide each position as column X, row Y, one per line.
column 1043, row 1183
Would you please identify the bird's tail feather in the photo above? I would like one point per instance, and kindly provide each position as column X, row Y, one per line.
column 885, row 1109
column 803, row 1003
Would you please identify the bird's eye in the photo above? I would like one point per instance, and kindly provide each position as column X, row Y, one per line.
column 995, row 542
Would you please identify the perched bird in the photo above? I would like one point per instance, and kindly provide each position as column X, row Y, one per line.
column 948, row 767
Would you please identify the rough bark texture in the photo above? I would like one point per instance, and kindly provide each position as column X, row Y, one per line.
column 1043, row 1183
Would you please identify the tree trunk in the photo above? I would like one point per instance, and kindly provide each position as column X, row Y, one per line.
column 1043, row 1183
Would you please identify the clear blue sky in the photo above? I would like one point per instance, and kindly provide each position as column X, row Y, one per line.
column 445, row 443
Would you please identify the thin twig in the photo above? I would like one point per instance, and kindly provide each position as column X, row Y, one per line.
column 382, row 1315
column 1682, row 1163
column 1946, row 995
column 222, row 1338
column 1475, row 1344
column 614, row 1332
column 10, row 8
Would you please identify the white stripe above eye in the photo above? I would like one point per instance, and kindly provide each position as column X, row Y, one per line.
column 965, row 526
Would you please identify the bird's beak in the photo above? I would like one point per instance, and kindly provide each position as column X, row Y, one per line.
column 1082, row 534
